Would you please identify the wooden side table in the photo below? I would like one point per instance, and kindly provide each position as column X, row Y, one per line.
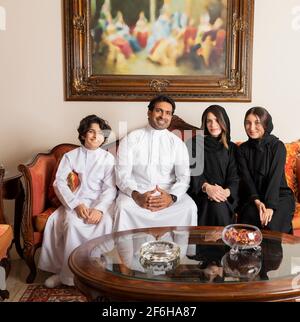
column 11, row 188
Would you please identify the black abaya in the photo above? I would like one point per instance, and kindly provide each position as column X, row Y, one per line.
column 219, row 168
column 261, row 165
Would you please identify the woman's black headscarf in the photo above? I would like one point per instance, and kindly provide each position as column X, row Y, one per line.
column 259, row 166
column 211, row 143
column 267, row 123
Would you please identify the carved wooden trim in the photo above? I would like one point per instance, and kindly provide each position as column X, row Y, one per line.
column 234, row 82
column 79, row 23
column 239, row 24
column 159, row 85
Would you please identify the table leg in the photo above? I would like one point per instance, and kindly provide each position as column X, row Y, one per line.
column 12, row 189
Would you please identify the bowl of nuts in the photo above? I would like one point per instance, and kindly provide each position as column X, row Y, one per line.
column 242, row 236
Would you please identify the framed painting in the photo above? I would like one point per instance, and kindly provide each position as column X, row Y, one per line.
column 192, row 50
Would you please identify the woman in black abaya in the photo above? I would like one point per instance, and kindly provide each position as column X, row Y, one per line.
column 266, row 201
column 214, row 179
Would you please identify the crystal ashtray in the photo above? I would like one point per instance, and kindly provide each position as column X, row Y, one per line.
column 157, row 256
column 242, row 236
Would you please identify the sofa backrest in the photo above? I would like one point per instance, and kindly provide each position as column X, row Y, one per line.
column 58, row 153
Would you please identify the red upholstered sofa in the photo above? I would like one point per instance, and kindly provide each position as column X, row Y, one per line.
column 41, row 200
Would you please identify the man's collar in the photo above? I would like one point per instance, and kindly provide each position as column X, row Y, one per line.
column 151, row 129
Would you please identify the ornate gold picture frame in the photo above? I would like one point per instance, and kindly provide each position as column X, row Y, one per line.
column 108, row 59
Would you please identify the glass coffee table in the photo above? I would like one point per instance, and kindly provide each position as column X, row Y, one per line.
column 109, row 268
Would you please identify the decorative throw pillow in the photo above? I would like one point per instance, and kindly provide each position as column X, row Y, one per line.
column 73, row 181
column 296, row 219
column 292, row 173
column 298, row 174
column 292, row 151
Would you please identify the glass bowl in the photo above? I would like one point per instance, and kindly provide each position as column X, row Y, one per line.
column 242, row 236
column 159, row 256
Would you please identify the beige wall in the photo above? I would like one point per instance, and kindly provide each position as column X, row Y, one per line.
column 35, row 117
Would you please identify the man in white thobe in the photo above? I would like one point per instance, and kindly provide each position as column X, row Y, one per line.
column 152, row 173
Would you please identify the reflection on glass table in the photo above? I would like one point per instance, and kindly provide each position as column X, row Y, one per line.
column 208, row 261
column 244, row 265
column 129, row 248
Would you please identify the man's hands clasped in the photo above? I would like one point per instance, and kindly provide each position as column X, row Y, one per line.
column 154, row 200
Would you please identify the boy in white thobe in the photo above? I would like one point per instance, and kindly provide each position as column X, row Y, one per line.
column 153, row 175
column 85, row 213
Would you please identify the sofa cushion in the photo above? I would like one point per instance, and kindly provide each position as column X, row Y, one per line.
column 41, row 219
column 6, row 237
column 54, row 201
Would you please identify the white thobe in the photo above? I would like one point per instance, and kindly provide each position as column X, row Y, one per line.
column 64, row 230
column 148, row 157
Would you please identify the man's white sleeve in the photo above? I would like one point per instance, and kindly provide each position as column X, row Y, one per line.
column 60, row 184
column 182, row 170
column 124, row 166
column 109, row 191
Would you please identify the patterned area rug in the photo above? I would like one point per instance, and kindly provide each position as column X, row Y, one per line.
column 40, row 293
